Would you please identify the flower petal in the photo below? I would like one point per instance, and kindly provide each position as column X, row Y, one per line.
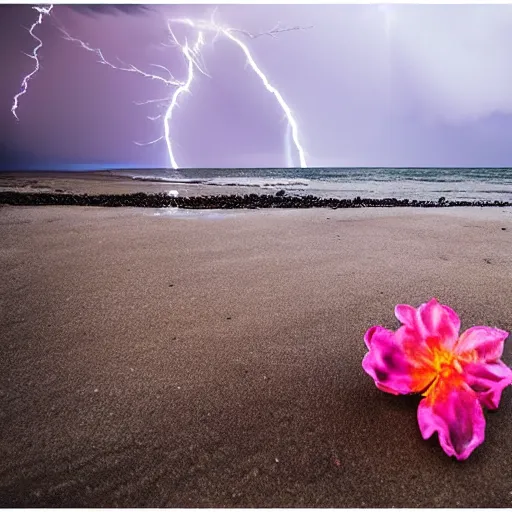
column 431, row 320
column 486, row 341
column 405, row 314
column 488, row 380
column 440, row 322
column 369, row 334
column 457, row 416
column 386, row 362
column 417, row 354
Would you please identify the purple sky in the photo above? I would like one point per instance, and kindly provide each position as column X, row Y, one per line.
column 404, row 85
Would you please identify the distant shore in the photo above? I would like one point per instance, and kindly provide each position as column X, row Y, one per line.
column 276, row 188
column 104, row 188
column 104, row 182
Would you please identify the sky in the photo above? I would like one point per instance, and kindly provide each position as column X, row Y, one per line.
column 367, row 85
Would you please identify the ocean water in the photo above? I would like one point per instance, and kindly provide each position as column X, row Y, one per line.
column 488, row 184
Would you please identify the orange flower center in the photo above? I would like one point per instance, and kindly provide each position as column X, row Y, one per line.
column 436, row 368
column 445, row 368
column 444, row 363
column 433, row 365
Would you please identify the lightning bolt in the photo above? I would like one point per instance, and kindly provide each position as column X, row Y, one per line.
column 192, row 55
column 128, row 68
column 228, row 33
column 43, row 11
column 189, row 53
column 270, row 88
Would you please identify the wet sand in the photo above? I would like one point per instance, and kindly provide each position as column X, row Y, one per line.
column 193, row 359
column 105, row 182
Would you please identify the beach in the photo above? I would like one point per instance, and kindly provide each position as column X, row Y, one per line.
column 421, row 184
column 213, row 359
column 104, row 182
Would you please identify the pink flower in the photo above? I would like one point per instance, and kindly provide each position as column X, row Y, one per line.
column 457, row 374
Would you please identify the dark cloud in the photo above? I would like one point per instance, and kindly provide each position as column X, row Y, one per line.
column 112, row 9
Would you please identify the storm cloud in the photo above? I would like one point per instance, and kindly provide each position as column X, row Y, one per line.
column 369, row 85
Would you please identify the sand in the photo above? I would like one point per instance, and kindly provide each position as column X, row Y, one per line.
column 106, row 182
column 200, row 359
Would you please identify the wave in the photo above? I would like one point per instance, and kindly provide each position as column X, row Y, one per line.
column 229, row 182
column 167, row 180
column 373, row 186
column 259, row 182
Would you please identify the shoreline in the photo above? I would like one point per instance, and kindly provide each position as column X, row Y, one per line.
column 221, row 201
column 309, row 190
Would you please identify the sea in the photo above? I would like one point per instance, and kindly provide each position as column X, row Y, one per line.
column 473, row 184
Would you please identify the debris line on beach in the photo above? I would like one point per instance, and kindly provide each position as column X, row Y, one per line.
column 235, row 201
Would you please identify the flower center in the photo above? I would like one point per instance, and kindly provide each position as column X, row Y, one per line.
column 446, row 367
column 444, row 363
